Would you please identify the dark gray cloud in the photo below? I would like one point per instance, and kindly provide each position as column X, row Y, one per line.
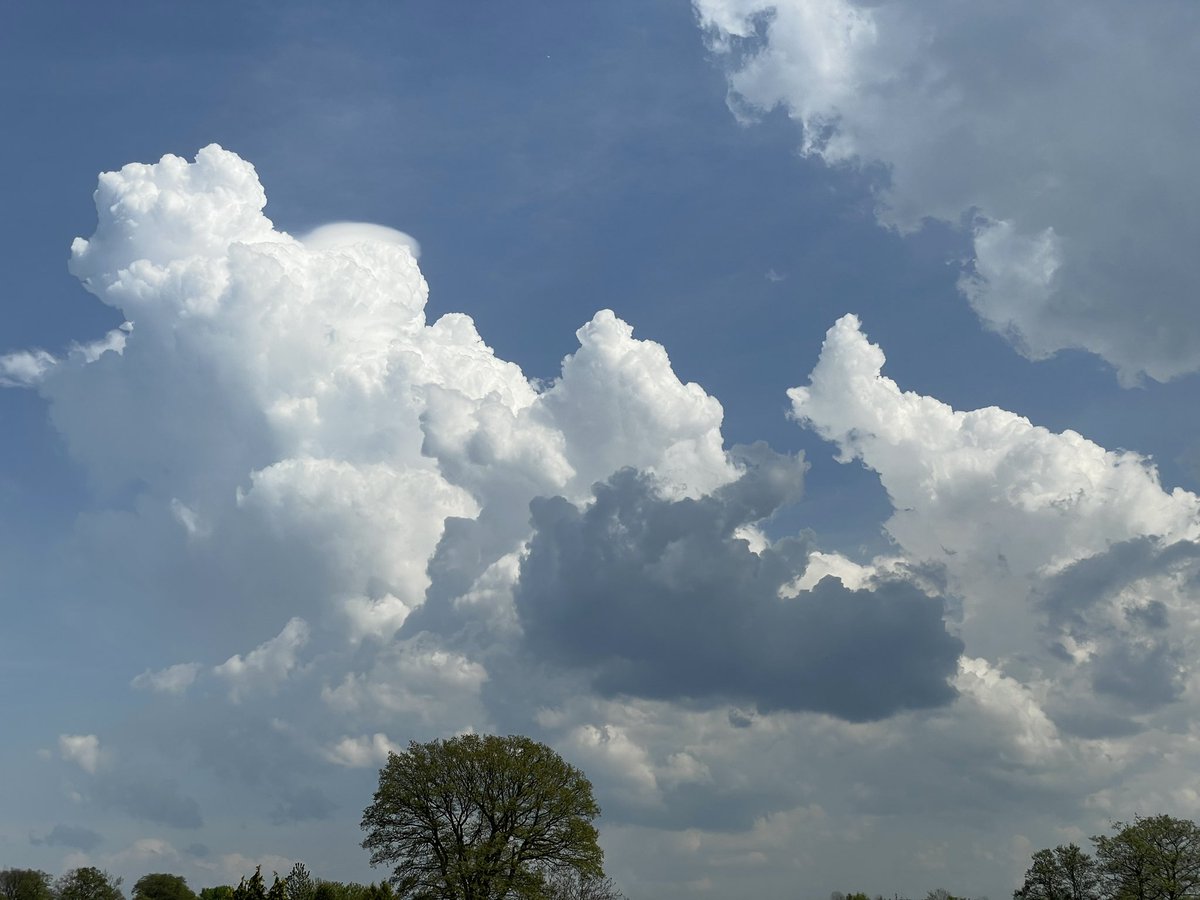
column 1081, row 585
column 1093, row 723
column 151, row 800
column 1136, row 662
column 739, row 719
column 302, row 805
column 1151, row 615
column 76, row 837
column 660, row 599
column 1147, row 674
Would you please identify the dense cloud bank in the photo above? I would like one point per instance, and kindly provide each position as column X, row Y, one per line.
column 345, row 527
column 1062, row 135
column 667, row 600
column 1014, row 513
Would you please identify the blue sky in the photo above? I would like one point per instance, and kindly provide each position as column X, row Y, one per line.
column 283, row 525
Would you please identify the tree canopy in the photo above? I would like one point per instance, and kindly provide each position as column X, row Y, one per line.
column 1064, row 873
column 570, row 886
column 299, row 883
column 88, row 883
column 1154, row 858
column 481, row 818
column 162, row 886
column 254, row 888
column 25, row 884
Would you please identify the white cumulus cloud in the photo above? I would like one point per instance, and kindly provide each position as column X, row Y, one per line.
column 27, row 368
column 285, row 438
column 1056, row 547
column 81, row 749
column 361, row 752
column 267, row 665
column 1064, row 130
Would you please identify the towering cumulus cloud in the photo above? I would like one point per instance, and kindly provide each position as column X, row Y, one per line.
column 1024, row 521
column 323, row 526
column 288, row 398
column 372, row 527
column 1064, row 131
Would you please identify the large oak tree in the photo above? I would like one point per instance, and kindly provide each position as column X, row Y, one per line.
column 481, row 818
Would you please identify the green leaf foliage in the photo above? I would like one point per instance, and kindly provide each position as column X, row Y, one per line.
column 1064, row 873
column 251, row 888
column 300, row 884
column 162, row 886
column 25, row 884
column 1155, row 858
column 352, row 890
column 481, row 818
column 570, row 886
column 88, row 883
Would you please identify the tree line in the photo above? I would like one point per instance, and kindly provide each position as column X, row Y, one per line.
column 91, row 883
column 473, row 817
column 935, row 894
column 483, row 817
column 1150, row 858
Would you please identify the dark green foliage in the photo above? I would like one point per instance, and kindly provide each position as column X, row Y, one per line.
column 162, row 886
column 1043, row 880
column 481, row 818
column 1155, row 858
column 252, row 889
column 568, row 886
column 337, row 890
column 300, row 884
column 352, row 890
column 88, row 883
column 1064, row 873
column 25, row 884
column 220, row 892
